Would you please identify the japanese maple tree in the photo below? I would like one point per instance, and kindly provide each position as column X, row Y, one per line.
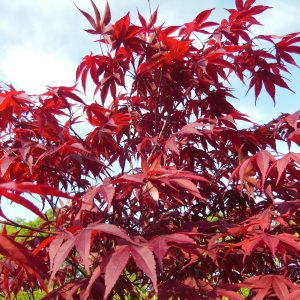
column 155, row 188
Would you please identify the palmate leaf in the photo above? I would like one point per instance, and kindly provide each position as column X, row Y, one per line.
column 188, row 185
column 144, row 259
column 59, row 257
column 271, row 285
column 96, row 274
column 115, row 267
column 63, row 243
column 263, row 159
column 161, row 244
column 107, row 191
column 142, row 256
column 16, row 252
column 97, row 23
column 273, row 242
column 282, row 163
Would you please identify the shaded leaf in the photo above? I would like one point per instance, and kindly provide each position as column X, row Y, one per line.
column 111, row 229
column 61, row 254
column 144, row 259
column 160, row 244
column 188, row 185
column 263, row 160
column 18, row 253
column 114, row 267
column 280, row 288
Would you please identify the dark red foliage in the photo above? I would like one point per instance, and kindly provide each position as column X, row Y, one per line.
column 155, row 186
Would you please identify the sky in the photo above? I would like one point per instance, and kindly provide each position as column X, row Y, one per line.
column 43, row 41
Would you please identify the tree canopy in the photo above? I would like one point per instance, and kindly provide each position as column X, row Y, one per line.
column 154, row 186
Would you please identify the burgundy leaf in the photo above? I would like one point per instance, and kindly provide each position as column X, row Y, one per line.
column 263, row 160
column 96, row 274
column 144, row 259
column 107, row 15
column 18, row 253
column 88, row 17
column 16, row 198
column 108, row 192
column 28, row 187
column 171, row 145
column 160, row 244
column 115, row 267
column 61, row 255
column 5, row 162
column 280, row 289
column 188, row 185
column 110, row 229
column 272, row 242
column 82, row 244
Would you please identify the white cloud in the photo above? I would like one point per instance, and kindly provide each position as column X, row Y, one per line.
column 33, row 69
column 283, row 18
column 49, row 33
